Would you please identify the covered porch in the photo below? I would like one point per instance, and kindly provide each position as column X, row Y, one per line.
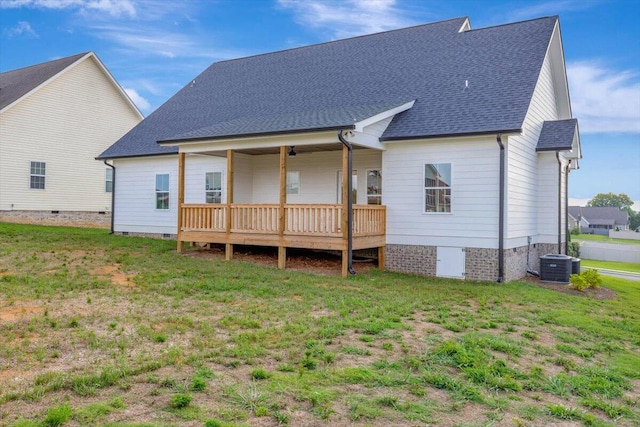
column 283, row 224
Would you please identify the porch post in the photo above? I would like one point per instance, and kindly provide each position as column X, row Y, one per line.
column 345, row 210
column 180, row 200
column 282, row 216
column 228, row 253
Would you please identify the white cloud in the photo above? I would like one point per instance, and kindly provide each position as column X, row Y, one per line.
column 554, row 7
column 22, row 29
column 604, row 100
column 350, row 17
column 137, row 99
column 112, row 7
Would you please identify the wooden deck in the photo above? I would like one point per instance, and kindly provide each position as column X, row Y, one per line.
column 294, row 226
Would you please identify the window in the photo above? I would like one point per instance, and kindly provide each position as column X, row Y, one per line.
column 213, row 187
column 374, row 187
column 437, row 187
column 108, row 180
column 354, row 186
column 36, row 178
column 162, row 191
column 293, row 182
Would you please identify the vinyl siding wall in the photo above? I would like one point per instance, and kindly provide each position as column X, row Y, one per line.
column 65, row 124
column 318, row 176
column 473, row 221
column 135, row 198
column 532, row 182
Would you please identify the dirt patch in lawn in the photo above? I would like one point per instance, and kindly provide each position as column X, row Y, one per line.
column 12, row 314
column 318, row 262
column 116, row 276
column 600, row 293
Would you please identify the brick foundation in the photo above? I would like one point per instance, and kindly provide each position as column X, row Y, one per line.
column 62, row 218
column 480, row 264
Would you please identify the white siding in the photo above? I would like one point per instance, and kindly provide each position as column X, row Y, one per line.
column 135, row 198
column 66, row 124
column 473, row 221
column 528, row 194
column 196, row 166
column 548, row 198
column 318, row 176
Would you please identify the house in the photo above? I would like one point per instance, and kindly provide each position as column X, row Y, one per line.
column 598, row 220
column 458, row 141
column 55, row 118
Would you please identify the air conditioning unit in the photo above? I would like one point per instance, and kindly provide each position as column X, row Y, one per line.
column 575, row 266
column 555, row 268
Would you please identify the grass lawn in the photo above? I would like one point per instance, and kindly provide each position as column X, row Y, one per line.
column 603, row 239
column 106, row 330
column 633, row 267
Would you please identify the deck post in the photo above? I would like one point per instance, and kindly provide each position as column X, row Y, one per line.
column 180, row 200
column 345, row 210
column 228, row 253
column 282, row 214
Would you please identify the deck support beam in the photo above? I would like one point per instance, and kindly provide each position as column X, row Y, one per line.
column 282, row 215
column 381, row 259
column 228, row 253
column 180, row 246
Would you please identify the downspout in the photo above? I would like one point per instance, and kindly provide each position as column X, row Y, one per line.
column 349, row 202
column 113, row 193
column 559, row 202
column 566, row 208
column 501, row 213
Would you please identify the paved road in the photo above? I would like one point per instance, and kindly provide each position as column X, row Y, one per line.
column 615, row 273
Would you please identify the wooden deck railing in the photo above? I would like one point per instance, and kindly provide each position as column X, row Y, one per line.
column 300, row 219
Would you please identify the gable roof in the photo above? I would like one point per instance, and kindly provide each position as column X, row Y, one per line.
column 557, row 135
column 17, row 84
column 600, row 215
column 463, row 83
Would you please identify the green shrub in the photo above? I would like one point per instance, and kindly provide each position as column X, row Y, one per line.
column 180, row 401
column 578, row 282
column 574, row 249
column 575, row 231
column 588, row 279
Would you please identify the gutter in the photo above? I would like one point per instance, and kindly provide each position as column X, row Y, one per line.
column 501, row 213
column 113, row 193
column 559, row 202
column 566, row 208
column 349, row 202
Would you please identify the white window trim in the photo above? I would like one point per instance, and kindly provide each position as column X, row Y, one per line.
column 213, row 191
column 423, row 188
column 44, row 176
column 106, row 173
column 155, row 198
column 379, row 170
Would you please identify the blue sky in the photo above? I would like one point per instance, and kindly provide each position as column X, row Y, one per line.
column 154, row 47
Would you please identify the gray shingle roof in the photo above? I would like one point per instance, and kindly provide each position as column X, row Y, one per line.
column 557, row 135
column 290, row 90
column 600, row 215
column 17, row 83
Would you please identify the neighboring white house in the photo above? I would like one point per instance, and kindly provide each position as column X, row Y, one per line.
column 461, row 141
column 55, row 118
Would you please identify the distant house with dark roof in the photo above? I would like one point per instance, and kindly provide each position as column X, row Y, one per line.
column 459, row 142
column 598, row 220
column 55, row 118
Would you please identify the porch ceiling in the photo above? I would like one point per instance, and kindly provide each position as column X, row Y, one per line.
column 299, row 149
